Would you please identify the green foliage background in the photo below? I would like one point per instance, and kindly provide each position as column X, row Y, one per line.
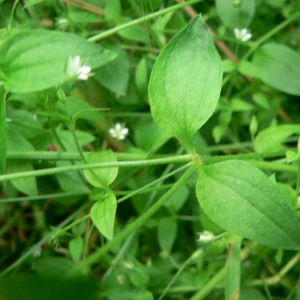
column 200, row 200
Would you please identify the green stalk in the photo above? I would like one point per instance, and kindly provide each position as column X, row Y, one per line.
column 93, row 258
column 140, row 20
column 233, row 272
column 58, row 233
column 3, row 132
column 139, row 163
column 195, row 255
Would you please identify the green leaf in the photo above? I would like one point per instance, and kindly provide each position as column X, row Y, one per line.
column 32, row 2
column 115, row 75
column 272, row 138
column 138, row 276
column 26, row 185
column 34, row 60
column 236, row 16
column 3, row 132
column 279, row 67
column 105, row 176
column 103, row 214
column 76, row 247
column 185, row 82
column 113, row 9
column 240, row 198
column 135, row 33
column 149, row 136
column 167, row 232
column 78, row 108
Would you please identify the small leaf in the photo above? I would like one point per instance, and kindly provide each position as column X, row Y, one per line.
column 26, row 185
column 240, row 198
column 103, row 215
column 167, row 231
column 272, row 138
column 279, row 67
column 78, row 108
column 113, row 9
column 185, row 82
column 34, row 60
column 115, row 75
column 236, row 16
column 76, row 247
column 105, row 176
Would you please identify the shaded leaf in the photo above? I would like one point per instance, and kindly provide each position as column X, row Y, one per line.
column 279, row 67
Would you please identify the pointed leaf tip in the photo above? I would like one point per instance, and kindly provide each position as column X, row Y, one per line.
column 185, row 83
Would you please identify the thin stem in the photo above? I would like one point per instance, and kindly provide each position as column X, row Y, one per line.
column 12, row 14
column 134, row 225
column 139, row 163
column 276, row 278
column 140, row 20
column 58, row 233
column 196, row 254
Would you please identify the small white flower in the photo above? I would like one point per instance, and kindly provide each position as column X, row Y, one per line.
column 242, row 34
column 76, row 69
column 206, row 237
column 118, row 132
column 62, row 22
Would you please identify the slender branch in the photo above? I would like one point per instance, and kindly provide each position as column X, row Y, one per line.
column 140, row 20
column 139, row 163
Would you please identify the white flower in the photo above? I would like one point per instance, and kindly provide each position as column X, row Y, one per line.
column 242, row 34
column 62, row 22
column 118, row 132
column 206, row 236
column 76, row 69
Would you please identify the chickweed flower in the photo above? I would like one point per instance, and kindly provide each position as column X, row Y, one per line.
column 118, row 132
column 242, row 35
column 76, row 69
column 206, row 236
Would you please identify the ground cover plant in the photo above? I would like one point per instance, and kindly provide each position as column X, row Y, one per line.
column 149, row 149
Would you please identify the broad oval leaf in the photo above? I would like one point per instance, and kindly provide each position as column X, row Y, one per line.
column 185, row 83
column 34, row 60
column 102, row 177
column 103, row 215
column 240, row 198
column 279, row 67
column 236, row 15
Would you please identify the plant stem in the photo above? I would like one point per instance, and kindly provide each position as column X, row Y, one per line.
column 135, row 225
column 139, row 163
column 140, row 20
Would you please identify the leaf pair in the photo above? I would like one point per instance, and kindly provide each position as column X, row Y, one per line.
column 184, row 90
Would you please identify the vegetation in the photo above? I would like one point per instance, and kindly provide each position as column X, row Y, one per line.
column 149, row 149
